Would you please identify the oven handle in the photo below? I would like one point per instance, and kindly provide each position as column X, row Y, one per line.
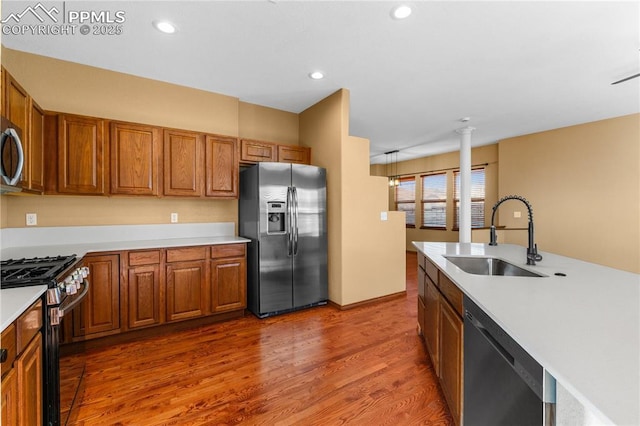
column 59, row 312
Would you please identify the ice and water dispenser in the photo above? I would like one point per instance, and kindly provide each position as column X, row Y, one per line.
column 276, row 217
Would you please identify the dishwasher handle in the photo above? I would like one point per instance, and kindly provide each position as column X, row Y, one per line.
column 496, row 345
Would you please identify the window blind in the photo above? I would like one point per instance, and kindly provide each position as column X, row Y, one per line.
column 434, row 201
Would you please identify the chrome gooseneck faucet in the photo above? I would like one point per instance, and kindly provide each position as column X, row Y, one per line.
column 532, row 250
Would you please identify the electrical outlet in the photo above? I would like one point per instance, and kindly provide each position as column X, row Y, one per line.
column 516, row 214
column 32, row 219
column 174, row 217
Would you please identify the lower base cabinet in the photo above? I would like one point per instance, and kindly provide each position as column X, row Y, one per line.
column 137, row 289
column 22, row 382
column 442, row 330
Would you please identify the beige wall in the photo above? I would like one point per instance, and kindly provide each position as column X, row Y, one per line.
column 366, row 255
column 583, row 183
column 443, row 162
column 268, row 124
column 64, row 86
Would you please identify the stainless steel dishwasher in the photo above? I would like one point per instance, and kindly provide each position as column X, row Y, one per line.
column 503, row 384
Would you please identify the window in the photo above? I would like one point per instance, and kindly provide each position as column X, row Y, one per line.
column 477, row 198
column 406, row 199
column 434, row 201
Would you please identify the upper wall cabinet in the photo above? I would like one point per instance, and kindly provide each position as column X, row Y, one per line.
column 183, row 163
column 19, row 108
column 36, row 178
column 294, row 154
column 221, row 177
column 81, row 155
column 252, row 151
column 256, row 151
column 135, row 159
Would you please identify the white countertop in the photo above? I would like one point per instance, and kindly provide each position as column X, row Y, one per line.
column 14, row 301
column 583, row 328
column 81, row 240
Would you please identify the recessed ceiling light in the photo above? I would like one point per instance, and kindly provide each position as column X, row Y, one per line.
column 316, row 75
column 400, row 12
column 165, row 27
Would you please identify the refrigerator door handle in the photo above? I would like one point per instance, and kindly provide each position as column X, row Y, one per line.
column 289, row 225
column 295, row 215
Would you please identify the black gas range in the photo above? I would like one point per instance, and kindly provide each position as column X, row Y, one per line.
column 34, row 271
column 67, row 285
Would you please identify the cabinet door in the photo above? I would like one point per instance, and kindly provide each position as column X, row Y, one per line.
column 81, row 151
column 255, row 151
column 186, row 290
column 99, row 312
column 228, row 284
column 294, row 154
column 9, row 392
column 36, row 148
column 29, row 366
column 135, row 159
column 432, row 322
column 221, row 167
column 451, row 335
column 183, row 163
column 143, row 293
column 17, row 111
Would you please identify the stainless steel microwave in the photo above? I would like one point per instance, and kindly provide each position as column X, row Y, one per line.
column 12, row 157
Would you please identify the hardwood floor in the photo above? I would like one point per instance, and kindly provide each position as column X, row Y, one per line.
column 320, row 366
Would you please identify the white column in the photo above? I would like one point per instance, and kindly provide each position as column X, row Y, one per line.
column 465, row 184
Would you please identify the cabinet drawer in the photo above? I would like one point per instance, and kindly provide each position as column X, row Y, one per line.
column 431, row 270
column 186, row 253
column 451, row 292
column 149, row 257
column 8, row 343
column 227, row 250
column 29, row 324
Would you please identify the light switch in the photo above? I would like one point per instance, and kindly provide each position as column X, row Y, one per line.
column 383, row 215
column 516, row 214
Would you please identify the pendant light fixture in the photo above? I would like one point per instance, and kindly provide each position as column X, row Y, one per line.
column 393, row 176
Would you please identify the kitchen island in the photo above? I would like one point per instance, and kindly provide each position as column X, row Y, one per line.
column 580, row 321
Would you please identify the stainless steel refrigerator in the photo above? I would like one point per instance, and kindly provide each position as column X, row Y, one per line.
column 282, row 210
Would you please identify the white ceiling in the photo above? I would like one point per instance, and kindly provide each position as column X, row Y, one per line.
column 513, row 67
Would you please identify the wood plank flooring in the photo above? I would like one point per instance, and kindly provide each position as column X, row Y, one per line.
column 320, row 366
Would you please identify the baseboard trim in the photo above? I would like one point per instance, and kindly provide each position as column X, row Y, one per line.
column 368, row 302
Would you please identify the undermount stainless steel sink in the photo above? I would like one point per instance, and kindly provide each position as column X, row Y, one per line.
column 489, row 266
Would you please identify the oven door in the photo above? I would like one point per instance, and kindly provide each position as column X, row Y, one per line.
column 64, row 372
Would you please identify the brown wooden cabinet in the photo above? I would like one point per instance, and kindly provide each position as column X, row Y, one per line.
column 35, row 172
column 228, row 278
column 183, row 163
column 81, row 155
column 135, row 159
column 99, row 312
column 22, row 384
column 222, row 169
column 9, row 392
column 143, row 294
column 187, row 278
column 294, row 154
column 252, row 151
column 30, row 383
column 451, row 364
column 442, row 330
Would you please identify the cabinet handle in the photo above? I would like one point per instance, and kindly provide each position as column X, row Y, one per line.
column 4, row 354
